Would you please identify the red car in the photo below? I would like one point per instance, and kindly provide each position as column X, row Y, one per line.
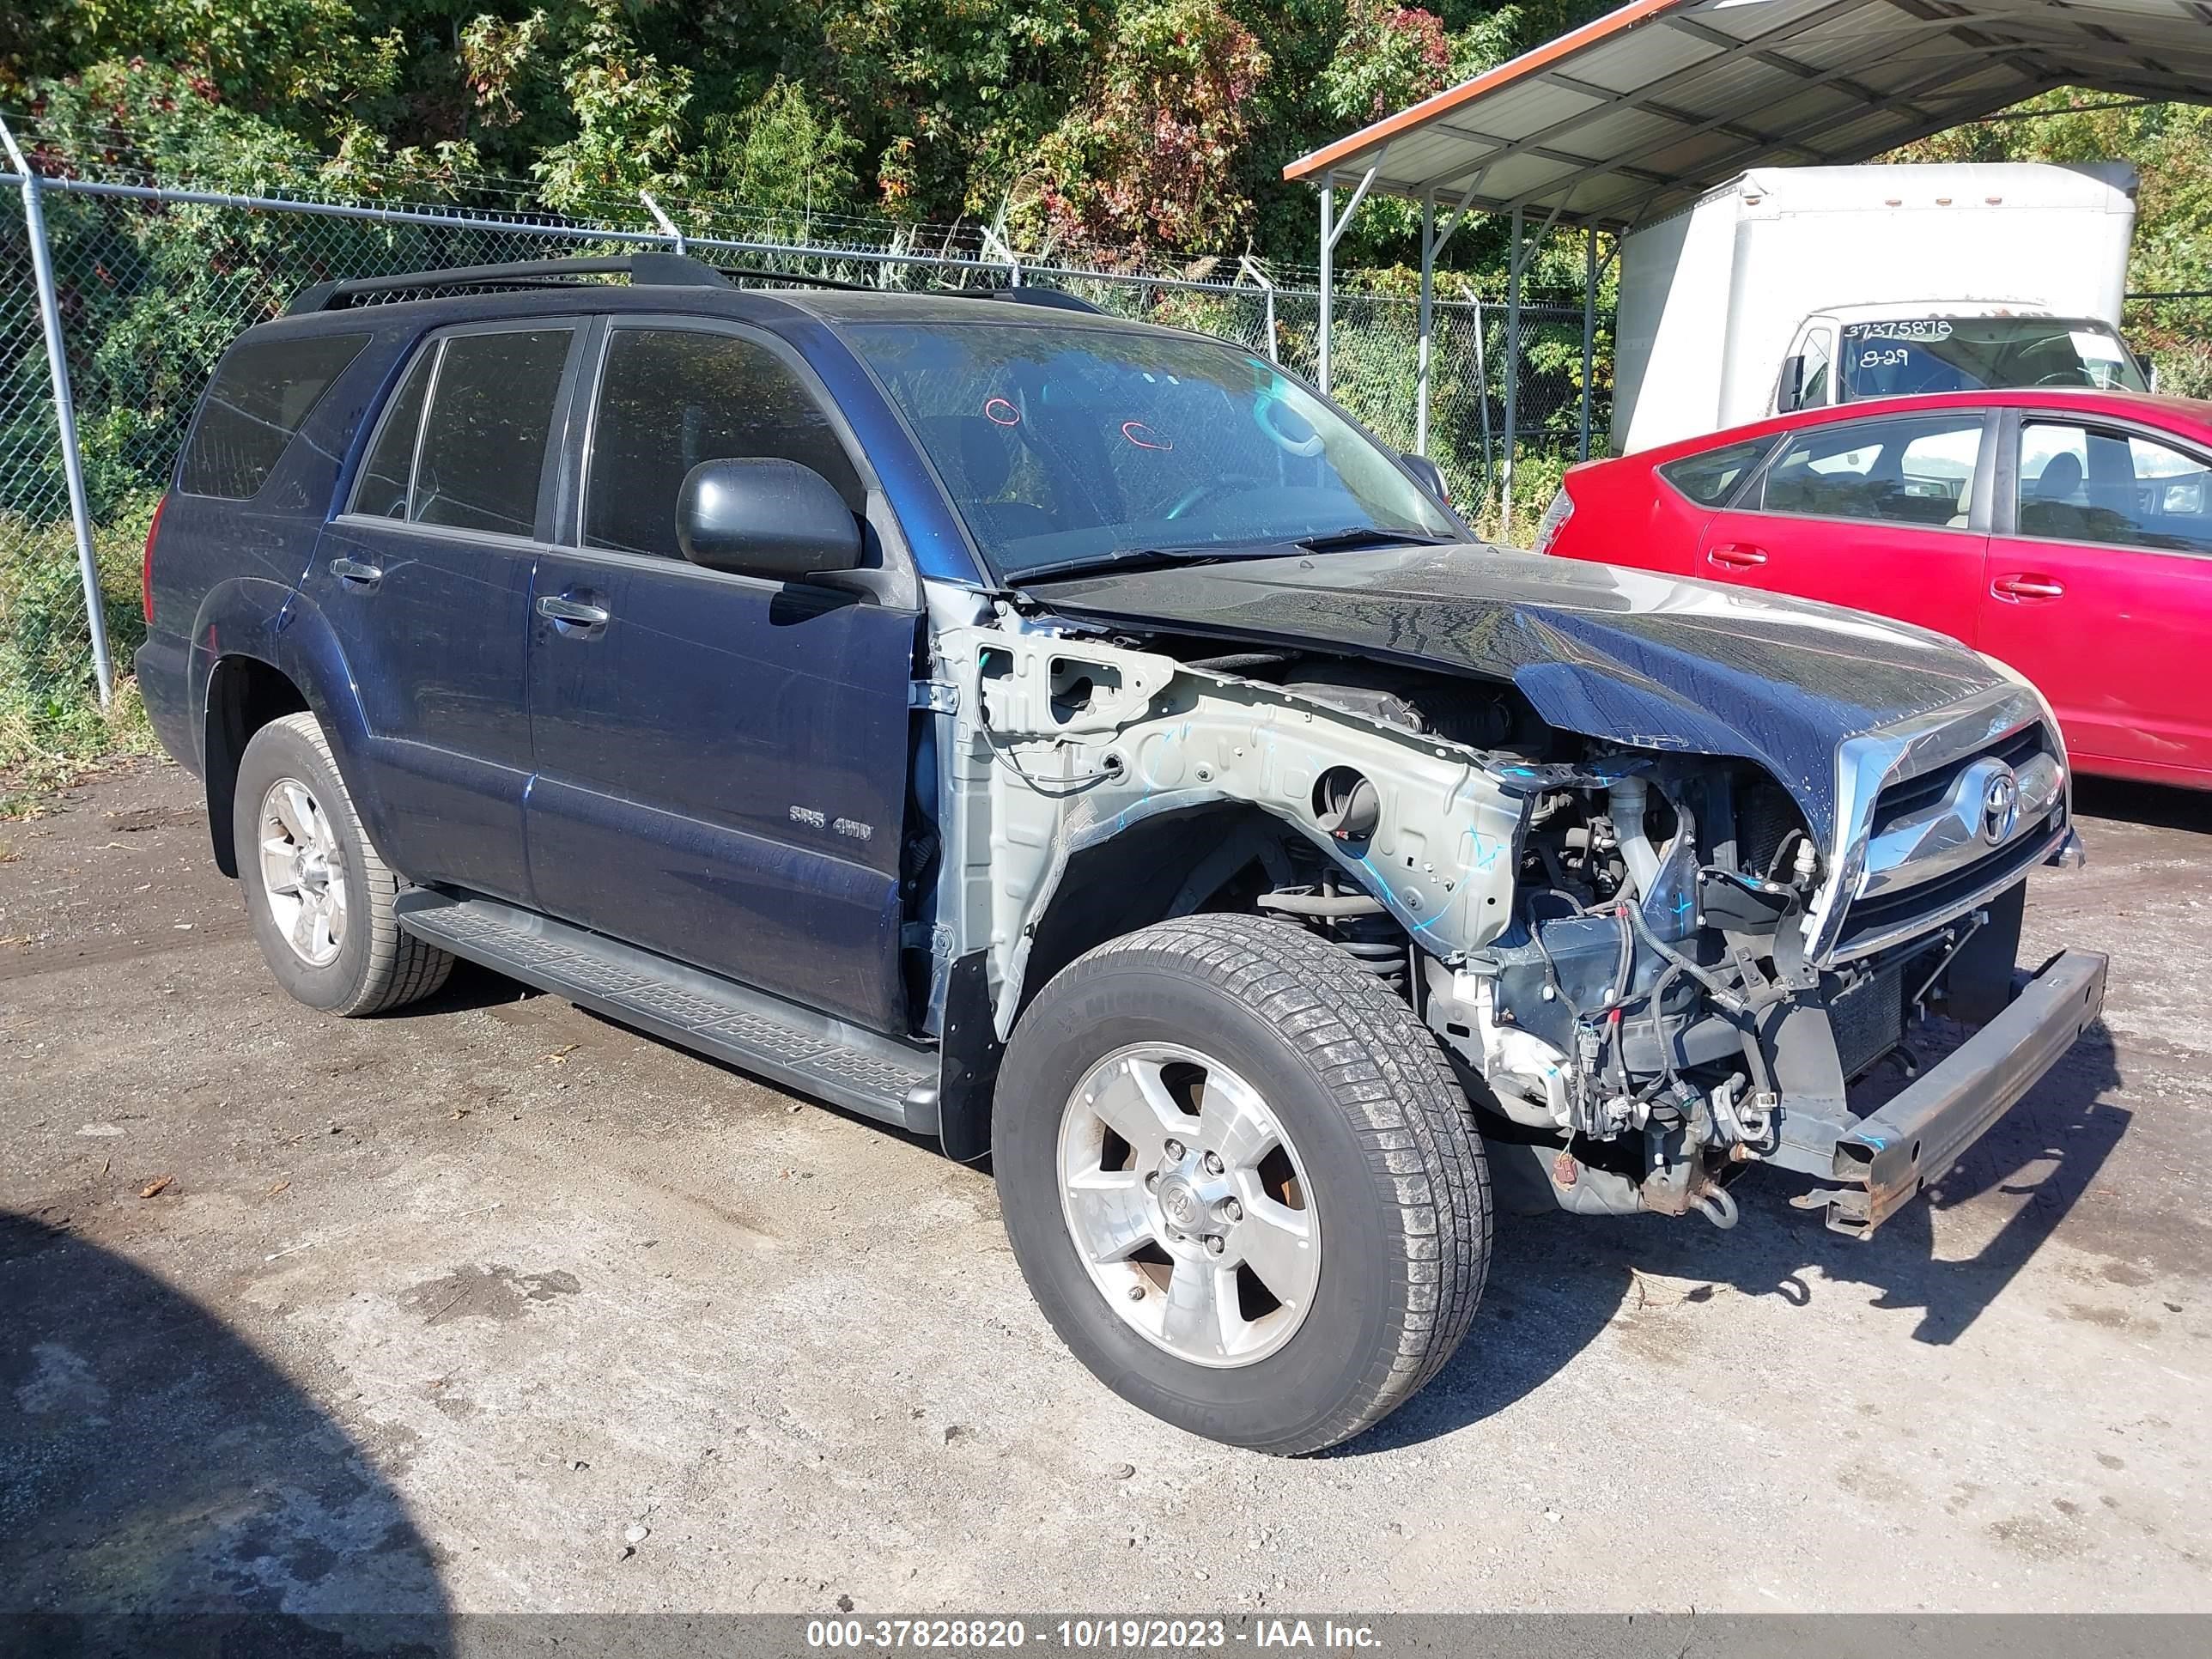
column 2066, row 533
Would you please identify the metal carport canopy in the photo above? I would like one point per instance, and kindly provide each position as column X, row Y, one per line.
column 1640, row 111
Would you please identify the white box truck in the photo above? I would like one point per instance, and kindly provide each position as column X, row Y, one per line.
column 1787, row 286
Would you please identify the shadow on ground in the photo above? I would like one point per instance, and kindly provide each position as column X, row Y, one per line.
column 1556, row 1281
column 156, row 1470
column 2154, row 803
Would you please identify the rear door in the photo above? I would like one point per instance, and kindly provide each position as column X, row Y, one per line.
column 1887, row 515
column 722, row 758
column 425, row 579
column 2100, row 588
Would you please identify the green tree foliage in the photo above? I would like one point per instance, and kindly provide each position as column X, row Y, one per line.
column 1148, row 153
column 2170, row 145
column 1160, row 123
column 785, row 155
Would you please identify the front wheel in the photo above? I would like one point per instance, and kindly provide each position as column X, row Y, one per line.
column 1242, row 1181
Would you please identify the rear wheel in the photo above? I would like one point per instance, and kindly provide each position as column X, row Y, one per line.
column 318, row 896
column 1242, row 1181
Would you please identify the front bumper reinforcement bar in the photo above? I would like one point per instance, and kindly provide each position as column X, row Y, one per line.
column 1894, row 1153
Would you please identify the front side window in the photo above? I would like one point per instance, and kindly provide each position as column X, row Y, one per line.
column 475, row 458
column 262, row 394
column 1062, row 443
column 1916, row 468
column 670, row 398
column 1710, row 478
column 2083, row 483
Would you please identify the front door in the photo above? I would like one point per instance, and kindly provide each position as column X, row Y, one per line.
column 1882, row 514
column 2099, row 590
column 425, row 579
column 722, row 758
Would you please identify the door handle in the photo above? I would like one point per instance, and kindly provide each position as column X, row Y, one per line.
column 571, row 613
column 1736, row 556
column 2026, row 588
column 354, row 571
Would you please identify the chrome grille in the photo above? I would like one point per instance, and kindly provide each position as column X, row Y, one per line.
column 1936, row 815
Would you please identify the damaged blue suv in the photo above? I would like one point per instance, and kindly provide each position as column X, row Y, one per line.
column 1079, row 742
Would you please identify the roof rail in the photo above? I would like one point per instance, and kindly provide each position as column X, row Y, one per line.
column 1051, row 299
column 643, row 269
column 655, row 268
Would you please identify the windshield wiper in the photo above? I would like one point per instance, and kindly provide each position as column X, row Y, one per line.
column 1121, row 558
column 1366, row 535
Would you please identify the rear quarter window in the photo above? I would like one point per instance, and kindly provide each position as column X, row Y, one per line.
column 1710, row 478
column 262, row 394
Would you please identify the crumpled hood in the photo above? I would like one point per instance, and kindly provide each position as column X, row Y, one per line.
column 1656, row 662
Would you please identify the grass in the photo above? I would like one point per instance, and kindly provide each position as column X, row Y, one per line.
column 51, row 726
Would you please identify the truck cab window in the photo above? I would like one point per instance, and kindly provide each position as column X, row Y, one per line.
column 1813, row 390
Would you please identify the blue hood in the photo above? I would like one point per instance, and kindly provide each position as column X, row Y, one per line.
column 1653, row 662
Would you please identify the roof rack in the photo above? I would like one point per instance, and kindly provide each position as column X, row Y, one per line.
column 1051, row 299
column 643, row 269
column 652, row 269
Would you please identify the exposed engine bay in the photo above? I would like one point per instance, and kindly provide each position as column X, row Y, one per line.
column 1611, row 943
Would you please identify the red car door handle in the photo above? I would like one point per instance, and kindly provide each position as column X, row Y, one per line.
column 2026, row 588
column 1737, row 557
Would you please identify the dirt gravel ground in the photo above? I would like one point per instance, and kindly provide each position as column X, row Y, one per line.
column 496, row 1305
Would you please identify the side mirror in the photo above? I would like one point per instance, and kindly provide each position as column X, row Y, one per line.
column 1431, row 475
column 1789, row 396
column 764, row 517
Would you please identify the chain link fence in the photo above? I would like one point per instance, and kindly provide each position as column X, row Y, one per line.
column 153, row 281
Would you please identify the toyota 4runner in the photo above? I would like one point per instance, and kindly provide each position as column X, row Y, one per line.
column 1080, row 743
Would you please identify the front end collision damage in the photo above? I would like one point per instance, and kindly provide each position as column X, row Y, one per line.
column 1061, row 742
column 1635, row 1050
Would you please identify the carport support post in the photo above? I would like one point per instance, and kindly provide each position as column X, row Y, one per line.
column 1327, row 243
column 1428, row 312
column 1512, row 374
column 1332, row 228
column 1590, row 328
column 49, row 320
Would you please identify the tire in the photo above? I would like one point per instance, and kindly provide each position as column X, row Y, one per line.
column 1390, row 1188
column 360, row 962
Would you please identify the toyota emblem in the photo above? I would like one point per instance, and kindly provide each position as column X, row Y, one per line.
column 2000, row 805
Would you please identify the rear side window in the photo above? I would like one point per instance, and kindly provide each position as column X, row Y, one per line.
column 1710, row 478
column 1915, row 469
column 262, row 394
column 389, row 472
column 670, row 398
column 473, row 461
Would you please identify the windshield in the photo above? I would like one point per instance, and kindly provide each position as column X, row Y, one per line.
column 1061, row 444
column 1979, row 354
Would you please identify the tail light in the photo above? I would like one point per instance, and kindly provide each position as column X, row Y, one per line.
column 146, row 566
column 1553, row 521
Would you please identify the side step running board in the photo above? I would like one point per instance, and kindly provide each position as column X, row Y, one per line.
column 813, row 1053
